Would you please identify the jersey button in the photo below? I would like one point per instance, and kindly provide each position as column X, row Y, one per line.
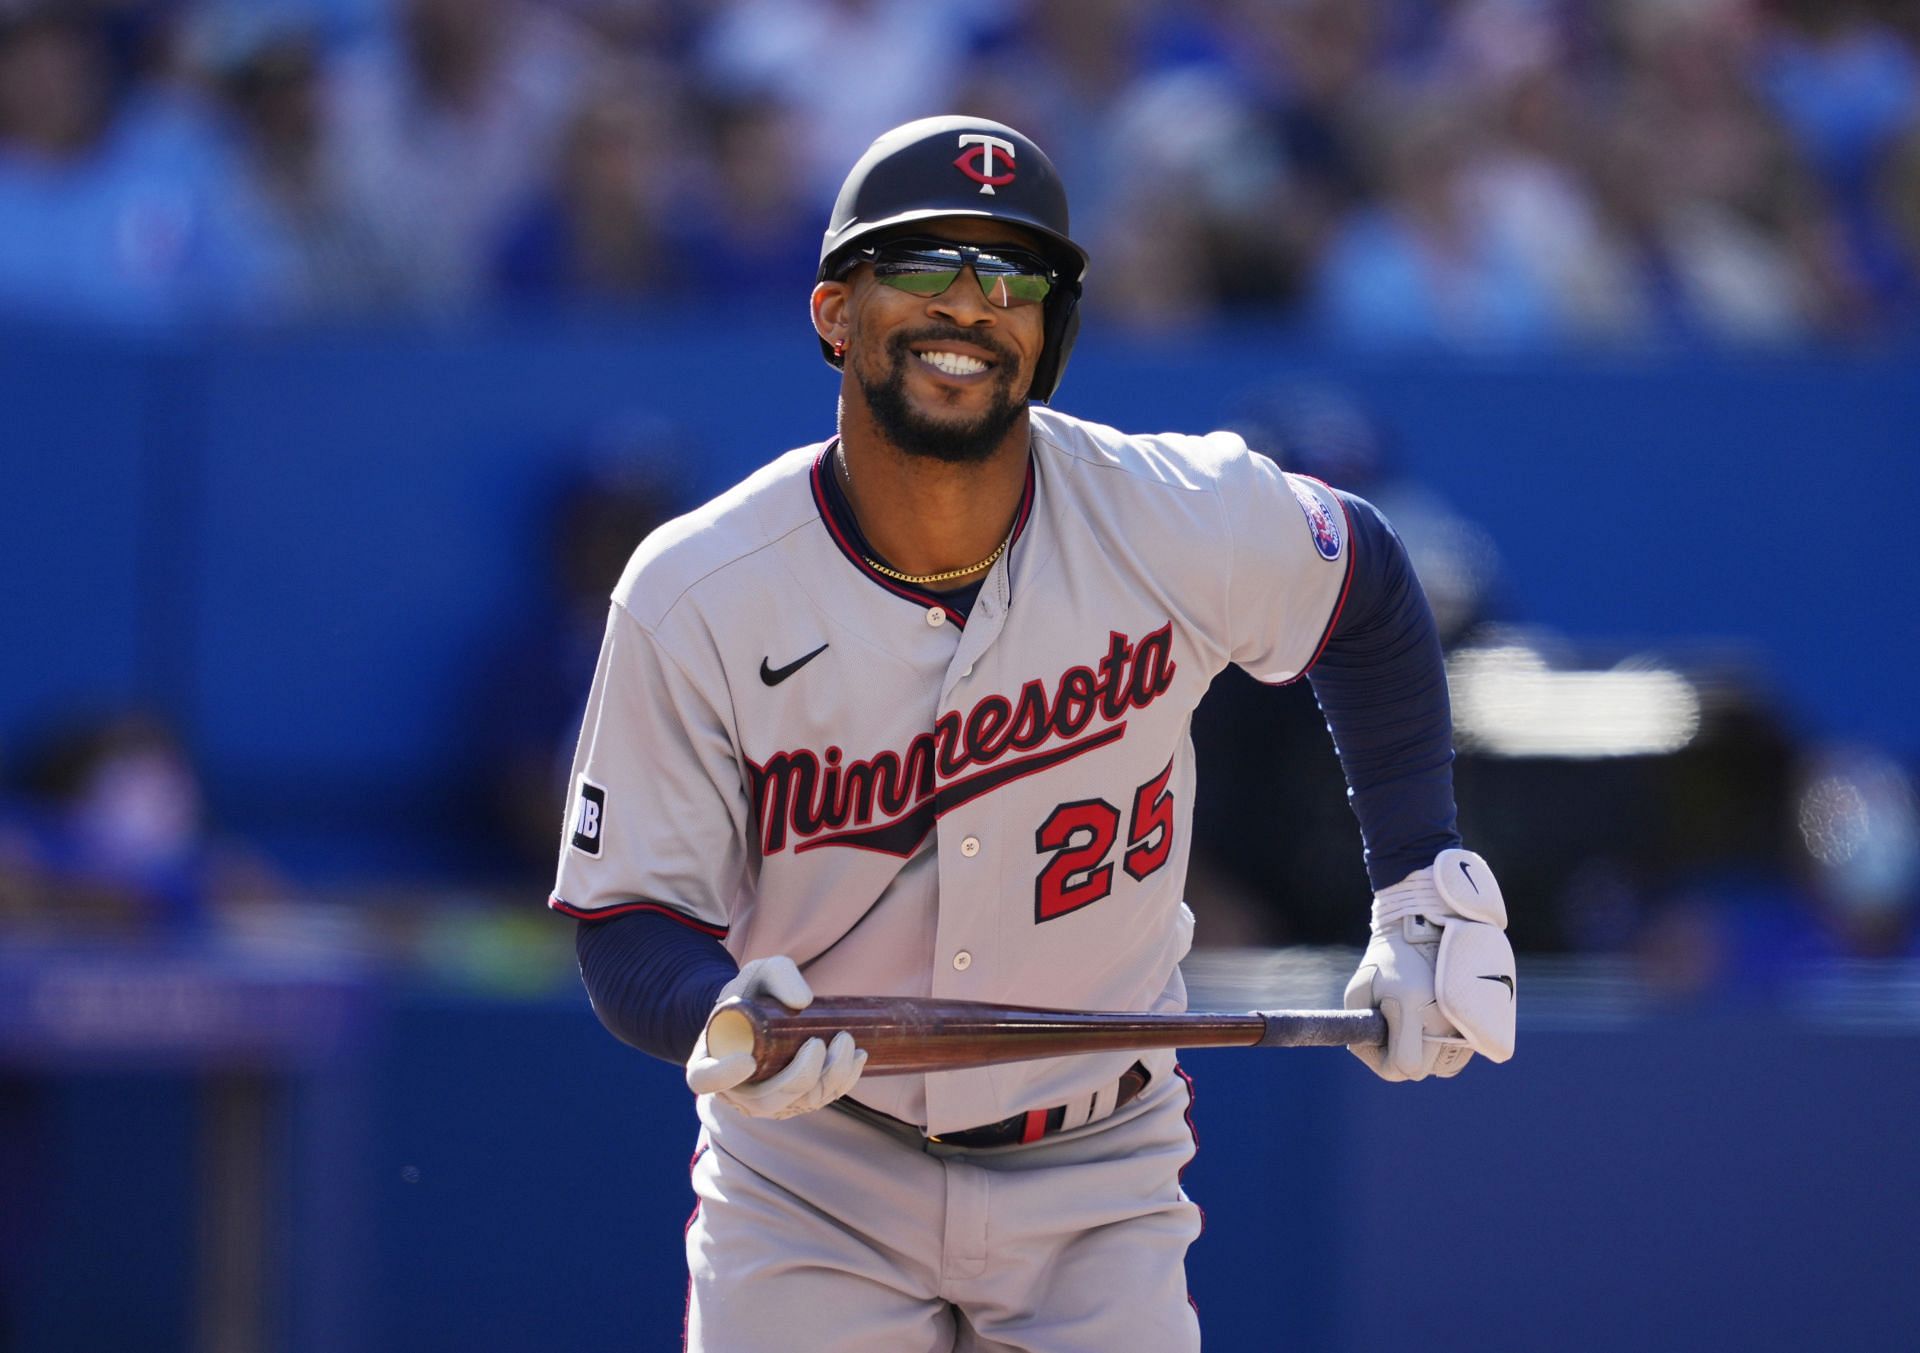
column 936, row 616
column 970, row 847
column 962, row 960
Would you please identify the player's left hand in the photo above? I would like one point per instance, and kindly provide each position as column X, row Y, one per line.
column 818, row 1074
column 1440, row 969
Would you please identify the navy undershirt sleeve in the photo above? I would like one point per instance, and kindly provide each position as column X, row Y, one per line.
column 652, row 980
column 1382, row 683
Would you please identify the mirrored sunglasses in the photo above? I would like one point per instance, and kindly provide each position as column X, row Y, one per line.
column 1007, row 277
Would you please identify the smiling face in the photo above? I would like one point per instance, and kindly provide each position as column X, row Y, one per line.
column 941, row 376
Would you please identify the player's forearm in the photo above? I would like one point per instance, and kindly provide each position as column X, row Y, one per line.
column 1382, row 684
column 652, row 980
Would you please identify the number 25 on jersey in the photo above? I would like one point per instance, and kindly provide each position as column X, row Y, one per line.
column 1080, row 835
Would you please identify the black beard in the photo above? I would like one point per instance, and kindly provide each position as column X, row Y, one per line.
column 965, row 443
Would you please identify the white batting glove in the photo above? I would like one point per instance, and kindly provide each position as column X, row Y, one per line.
column 818, row 1074
column 1440, row 969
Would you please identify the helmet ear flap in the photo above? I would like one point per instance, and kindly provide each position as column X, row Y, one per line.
column 1062, row 327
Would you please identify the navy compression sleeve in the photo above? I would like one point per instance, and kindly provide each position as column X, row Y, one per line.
column 652, row 980
column 1382, row 683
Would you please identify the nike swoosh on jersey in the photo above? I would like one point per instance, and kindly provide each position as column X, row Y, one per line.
column 1503, row 979
column 773, row 676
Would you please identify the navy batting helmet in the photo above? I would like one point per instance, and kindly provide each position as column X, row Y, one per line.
column 964, row 166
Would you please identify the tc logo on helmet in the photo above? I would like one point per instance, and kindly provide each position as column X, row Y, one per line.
column 978, row 146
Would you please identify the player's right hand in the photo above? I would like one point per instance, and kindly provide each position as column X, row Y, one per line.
column 1440, row 969
column 818, row 1074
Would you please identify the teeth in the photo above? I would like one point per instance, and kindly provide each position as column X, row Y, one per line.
column 953, row 363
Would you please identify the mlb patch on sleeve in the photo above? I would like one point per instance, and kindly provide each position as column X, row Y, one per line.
column 589, row 817
column 1323, row 515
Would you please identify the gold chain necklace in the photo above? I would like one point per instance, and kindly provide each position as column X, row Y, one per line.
column 921, row 579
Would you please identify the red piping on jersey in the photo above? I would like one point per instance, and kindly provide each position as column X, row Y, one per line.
column 686, row 1315
column 559, row 904
column 919, row 596
column 1346, row 584
column 1193, row 1131
column 1181, row 1175
column 1035, row 1127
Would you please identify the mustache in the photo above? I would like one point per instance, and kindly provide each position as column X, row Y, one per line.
column 901, row 342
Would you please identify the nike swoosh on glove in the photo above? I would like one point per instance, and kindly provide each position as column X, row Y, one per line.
column 1441, row 970
column 818, row 1074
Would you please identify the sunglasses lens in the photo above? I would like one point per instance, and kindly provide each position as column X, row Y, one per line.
column 1021, row 288
column 930, row 270
column 919, row 281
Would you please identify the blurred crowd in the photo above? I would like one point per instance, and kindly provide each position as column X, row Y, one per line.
column 1431, row 172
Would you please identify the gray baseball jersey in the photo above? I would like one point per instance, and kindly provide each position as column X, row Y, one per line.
column 788, row 750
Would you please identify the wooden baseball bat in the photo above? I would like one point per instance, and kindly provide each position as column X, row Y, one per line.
column 905, row 1033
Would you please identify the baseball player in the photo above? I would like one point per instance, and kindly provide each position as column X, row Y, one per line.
column 905, row 713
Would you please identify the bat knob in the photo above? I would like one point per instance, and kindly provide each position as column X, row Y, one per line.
column 730, row 1028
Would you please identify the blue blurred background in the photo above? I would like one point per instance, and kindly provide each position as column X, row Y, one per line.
column 347, row 347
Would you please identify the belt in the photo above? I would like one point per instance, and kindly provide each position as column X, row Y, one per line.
column 1020, row 1129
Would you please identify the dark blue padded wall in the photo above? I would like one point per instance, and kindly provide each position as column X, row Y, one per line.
column 84, row 544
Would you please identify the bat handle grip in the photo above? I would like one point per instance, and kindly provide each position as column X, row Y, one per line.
column 1323, row 1029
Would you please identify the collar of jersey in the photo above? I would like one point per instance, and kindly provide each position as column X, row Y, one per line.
column 843, row 536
